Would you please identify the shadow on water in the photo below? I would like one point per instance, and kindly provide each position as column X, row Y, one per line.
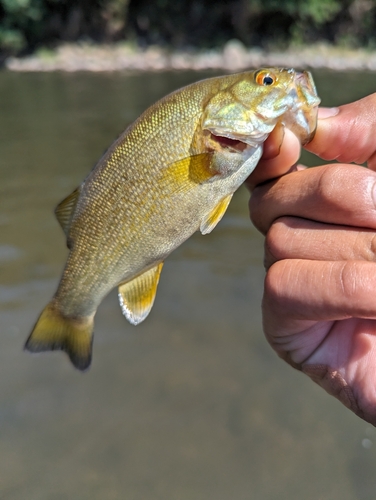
column 190, row 404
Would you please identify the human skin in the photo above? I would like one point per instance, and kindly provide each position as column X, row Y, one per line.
column 319, row 304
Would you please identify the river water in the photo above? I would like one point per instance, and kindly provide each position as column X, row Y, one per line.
column 192, row 403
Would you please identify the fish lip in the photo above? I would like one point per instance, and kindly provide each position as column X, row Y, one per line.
column 301, row 119
column 305, row 85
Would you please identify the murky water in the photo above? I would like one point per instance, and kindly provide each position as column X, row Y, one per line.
column 191, row 404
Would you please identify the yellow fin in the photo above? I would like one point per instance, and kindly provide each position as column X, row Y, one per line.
column 212, row 219
column 55, row 332
column 194, row 169
column 136, row 297
column 65, row 210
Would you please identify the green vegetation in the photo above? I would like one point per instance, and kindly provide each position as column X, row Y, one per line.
column 26, row 25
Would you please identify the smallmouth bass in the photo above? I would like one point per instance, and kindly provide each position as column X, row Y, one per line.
column 171, row 173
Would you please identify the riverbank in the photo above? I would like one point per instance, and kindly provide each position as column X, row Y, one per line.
column 233, row 57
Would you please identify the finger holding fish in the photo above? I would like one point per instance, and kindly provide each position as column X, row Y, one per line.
column 347, row 133
column 281, row 152
column 325, row 194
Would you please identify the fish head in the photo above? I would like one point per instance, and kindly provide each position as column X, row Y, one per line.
column 243, row 113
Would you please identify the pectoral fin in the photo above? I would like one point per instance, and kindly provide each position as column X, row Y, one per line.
column 136, row 297
column 65, row 210
column 194, row 169
column 212, row 219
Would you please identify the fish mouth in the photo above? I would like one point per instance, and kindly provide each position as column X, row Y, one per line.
column 228, row 143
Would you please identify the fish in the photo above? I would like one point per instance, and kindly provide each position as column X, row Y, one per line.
column 171, row 173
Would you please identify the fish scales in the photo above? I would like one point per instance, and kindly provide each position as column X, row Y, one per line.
column 106, row 192
column 171, row 173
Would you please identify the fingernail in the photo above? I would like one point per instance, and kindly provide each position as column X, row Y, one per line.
column 297, row 167
column 324, row 113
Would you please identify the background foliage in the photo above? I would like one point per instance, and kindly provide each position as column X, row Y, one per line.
column 29, row 24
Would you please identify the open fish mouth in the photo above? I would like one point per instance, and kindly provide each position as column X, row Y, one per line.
column 228, row 143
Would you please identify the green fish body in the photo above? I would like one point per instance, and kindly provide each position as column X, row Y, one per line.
column 171, row 173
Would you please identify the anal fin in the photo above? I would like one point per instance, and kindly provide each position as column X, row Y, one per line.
column 65, row 210
column 136, row 297
column 212, row 219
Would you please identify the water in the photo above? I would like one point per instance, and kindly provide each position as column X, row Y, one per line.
column 191, row 404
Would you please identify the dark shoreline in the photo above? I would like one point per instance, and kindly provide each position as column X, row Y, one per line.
column 233, row 57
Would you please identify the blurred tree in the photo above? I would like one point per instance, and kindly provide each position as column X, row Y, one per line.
column 358, row 26
column 115, row 15
column 297, row 21
column 254, row 22
column 181, row 22
column 27, row 24
column 18, row 18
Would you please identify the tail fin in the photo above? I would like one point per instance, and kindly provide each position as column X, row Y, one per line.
column 55, row 332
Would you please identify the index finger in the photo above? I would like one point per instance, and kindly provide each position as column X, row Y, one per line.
column 281, row 152
column 335, row 194
column 348, row 133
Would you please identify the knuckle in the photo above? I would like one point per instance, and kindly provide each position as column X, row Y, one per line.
column 274, row 284
column 269, row 259
column 277, row 238
column 329, row 179
column 372, row 248
column 335, row 188
column 255, row 210
column 348, row 281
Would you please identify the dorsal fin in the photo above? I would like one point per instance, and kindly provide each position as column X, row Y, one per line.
column 137, row 296
column 65, row 210
column 212, row 218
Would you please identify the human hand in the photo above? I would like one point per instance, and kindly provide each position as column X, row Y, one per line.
column 319, row 306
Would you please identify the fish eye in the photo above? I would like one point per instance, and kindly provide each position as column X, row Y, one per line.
column 265, row 78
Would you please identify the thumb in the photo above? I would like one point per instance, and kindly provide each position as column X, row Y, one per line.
column 347, row 133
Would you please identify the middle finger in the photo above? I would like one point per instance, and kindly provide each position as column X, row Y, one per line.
column 295, row 238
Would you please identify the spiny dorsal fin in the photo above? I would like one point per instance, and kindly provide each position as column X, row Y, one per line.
column 65, row 210
column 212, row 219
column 136, row 297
